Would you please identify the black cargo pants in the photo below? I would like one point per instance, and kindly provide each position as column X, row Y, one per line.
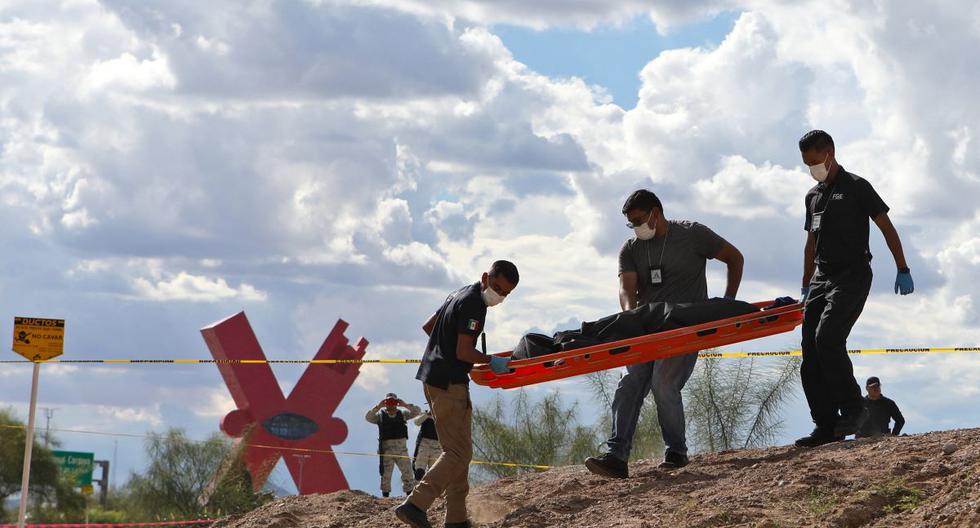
column 832, row 307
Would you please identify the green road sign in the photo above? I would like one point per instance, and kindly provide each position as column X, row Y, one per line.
column 78, row 464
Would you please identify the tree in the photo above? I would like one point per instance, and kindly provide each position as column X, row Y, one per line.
column 52, row 495
column 179, row 472
column 544, row 432
column 737, row 403
column 728, row 404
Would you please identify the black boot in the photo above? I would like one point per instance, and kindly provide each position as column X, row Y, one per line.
column 411, row 515
column 607, row 465
column 385, row 494
column 819, row 437
column 674, row 460
column 850, row 421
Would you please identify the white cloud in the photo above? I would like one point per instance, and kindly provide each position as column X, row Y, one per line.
column 585, row 14
column 149, row 415
column 213, row 403
column 196, row 288
column 743, row 190
column 127, row 73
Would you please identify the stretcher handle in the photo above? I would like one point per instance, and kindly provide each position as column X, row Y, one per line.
column 688, row 330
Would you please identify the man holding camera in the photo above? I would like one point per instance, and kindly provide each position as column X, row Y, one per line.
column 393, row 440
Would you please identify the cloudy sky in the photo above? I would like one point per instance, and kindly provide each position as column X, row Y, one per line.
column 164, row 164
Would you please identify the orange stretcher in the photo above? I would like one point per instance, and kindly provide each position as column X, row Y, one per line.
column 641, row 349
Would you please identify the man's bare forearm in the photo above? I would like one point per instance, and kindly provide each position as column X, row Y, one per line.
column 627, row 300
column 735, row 270
column 895, row 246
column 472, row 355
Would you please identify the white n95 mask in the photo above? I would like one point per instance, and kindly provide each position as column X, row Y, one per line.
column 491, row 297
column 645, row 232
column 819, row 171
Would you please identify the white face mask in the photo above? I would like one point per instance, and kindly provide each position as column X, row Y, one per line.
column 819, row 171
column 491, row 297
column 645, row 232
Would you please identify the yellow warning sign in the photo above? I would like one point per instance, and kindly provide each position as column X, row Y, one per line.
column 39, row 339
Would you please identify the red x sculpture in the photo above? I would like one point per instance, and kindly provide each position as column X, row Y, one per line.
column 298, row 428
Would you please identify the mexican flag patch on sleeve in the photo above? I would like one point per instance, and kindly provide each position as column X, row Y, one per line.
column 473, row 324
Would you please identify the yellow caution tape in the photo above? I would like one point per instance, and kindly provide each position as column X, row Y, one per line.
column 859, row 351
column 708, row 355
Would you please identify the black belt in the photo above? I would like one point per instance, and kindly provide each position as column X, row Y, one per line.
column 841, row 268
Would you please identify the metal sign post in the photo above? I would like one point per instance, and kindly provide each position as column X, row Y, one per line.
column 37, row 340
column 28, row 444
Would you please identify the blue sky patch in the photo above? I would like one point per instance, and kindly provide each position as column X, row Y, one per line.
column 609, row 56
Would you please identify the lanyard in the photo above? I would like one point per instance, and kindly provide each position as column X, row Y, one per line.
column 830, row 198
column 662, row 249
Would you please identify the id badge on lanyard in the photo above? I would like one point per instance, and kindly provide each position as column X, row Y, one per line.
column 816, row 221
column 656, row 275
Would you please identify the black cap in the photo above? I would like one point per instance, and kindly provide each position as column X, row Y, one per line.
column 873, row 380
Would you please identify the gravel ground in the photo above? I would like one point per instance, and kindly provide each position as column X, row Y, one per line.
column 921, row 480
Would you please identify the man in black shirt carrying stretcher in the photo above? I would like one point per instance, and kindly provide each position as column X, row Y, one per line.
column 444, row 372
column 836, row 283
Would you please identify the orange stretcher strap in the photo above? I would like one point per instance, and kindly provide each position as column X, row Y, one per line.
column 641, row 349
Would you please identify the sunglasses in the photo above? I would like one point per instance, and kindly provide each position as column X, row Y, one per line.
column 631, row 225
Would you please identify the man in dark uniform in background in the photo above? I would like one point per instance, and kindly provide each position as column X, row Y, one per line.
column 664, row 261
column 836, row 282
column 444, row 372
column 881, row 410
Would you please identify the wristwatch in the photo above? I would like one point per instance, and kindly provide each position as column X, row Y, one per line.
column 904, row 270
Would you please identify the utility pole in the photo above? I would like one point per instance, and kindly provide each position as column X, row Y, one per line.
column 48, row 414
column 103, row 482
column 115, row 446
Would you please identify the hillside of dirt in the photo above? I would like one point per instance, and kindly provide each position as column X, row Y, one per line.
column 921, row 480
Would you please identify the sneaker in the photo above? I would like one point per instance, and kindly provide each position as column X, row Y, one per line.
column 818, row 438
column 385, row 494
column 411, row 515
column 674, row 460
column 607, row 465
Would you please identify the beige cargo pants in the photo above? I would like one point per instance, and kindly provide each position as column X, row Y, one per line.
column 451, row 472
column 399, row 448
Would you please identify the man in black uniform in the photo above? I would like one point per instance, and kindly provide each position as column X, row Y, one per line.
column 836, row 282
column 445, row 368
column 881, row 410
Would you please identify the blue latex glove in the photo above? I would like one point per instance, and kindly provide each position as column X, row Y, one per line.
column 499, row 365
column 804, row 292
column 903, row 283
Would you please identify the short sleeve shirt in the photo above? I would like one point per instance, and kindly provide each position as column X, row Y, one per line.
column 681, row 255
column 463, row 312
column 838, row 215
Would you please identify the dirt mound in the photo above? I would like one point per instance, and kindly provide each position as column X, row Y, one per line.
column 923, row 480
